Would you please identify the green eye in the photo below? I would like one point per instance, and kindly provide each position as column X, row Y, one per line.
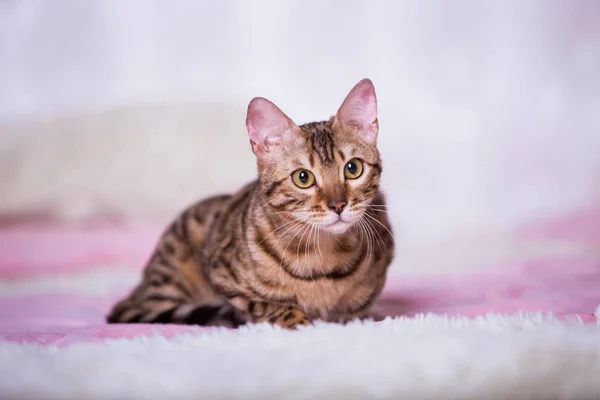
column 303, row 178
column 353, row 168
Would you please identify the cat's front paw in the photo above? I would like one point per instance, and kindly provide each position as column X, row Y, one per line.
column 291, row 318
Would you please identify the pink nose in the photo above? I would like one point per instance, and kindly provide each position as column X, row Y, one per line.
column 337, row 206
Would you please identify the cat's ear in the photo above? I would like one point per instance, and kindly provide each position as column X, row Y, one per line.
column 268, row 127
column 359, row 110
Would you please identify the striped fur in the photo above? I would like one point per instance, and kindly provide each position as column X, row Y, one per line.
column 263, row 254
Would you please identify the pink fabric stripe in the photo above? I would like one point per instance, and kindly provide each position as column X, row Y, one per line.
column 582, row 227
column 566, row 286
column 31, row 250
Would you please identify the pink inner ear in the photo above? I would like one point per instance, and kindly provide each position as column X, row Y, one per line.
column 360, row 108
column 266, row 124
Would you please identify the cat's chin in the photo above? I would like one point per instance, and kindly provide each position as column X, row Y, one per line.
column 338, row 227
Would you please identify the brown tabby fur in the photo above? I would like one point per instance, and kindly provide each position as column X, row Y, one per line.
column 248, row 257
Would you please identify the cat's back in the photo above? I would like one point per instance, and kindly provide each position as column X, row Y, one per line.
column 212, row 213
column 220, row 215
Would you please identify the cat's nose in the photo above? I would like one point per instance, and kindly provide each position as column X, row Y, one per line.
column 337, row 206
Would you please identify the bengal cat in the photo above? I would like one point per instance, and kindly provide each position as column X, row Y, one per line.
column 308, row 240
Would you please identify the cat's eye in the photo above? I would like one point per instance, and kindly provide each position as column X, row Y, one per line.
column 353, row 169
column 303, row 178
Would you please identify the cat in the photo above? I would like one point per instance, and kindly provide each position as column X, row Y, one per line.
column 308, row 240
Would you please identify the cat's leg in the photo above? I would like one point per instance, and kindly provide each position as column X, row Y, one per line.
column 360, row 303
column 130, row 311
column 168, row 295
column 173, row 288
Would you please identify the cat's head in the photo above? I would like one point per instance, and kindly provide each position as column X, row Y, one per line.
column 324, row 173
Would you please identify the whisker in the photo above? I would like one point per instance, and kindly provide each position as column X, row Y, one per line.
column 310, row 239
column 286, row 211
column 383, row 191
column 300, row 243
column 271, row 214
column 376, row 208
column 366, row 232
column 268, row 202
column 371, row 236
column 286, row 247
column 281, row 272
column 318, row 229
column 379, row 239
column 361, row 236
column 373, row 233
column 385, row 227
column 322, row 259
column 281, row 227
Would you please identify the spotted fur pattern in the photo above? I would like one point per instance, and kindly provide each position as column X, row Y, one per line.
column 267, row 253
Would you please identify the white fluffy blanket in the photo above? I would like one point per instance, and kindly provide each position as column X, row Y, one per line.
column 428, row 357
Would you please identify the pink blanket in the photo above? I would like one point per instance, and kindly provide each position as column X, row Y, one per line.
column 57, row 283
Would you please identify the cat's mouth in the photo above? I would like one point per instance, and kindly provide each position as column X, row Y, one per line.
column 340, row 225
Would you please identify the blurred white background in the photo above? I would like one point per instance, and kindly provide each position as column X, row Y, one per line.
column 489, row 111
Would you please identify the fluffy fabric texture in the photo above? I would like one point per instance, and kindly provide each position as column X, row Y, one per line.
column 428, row 357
